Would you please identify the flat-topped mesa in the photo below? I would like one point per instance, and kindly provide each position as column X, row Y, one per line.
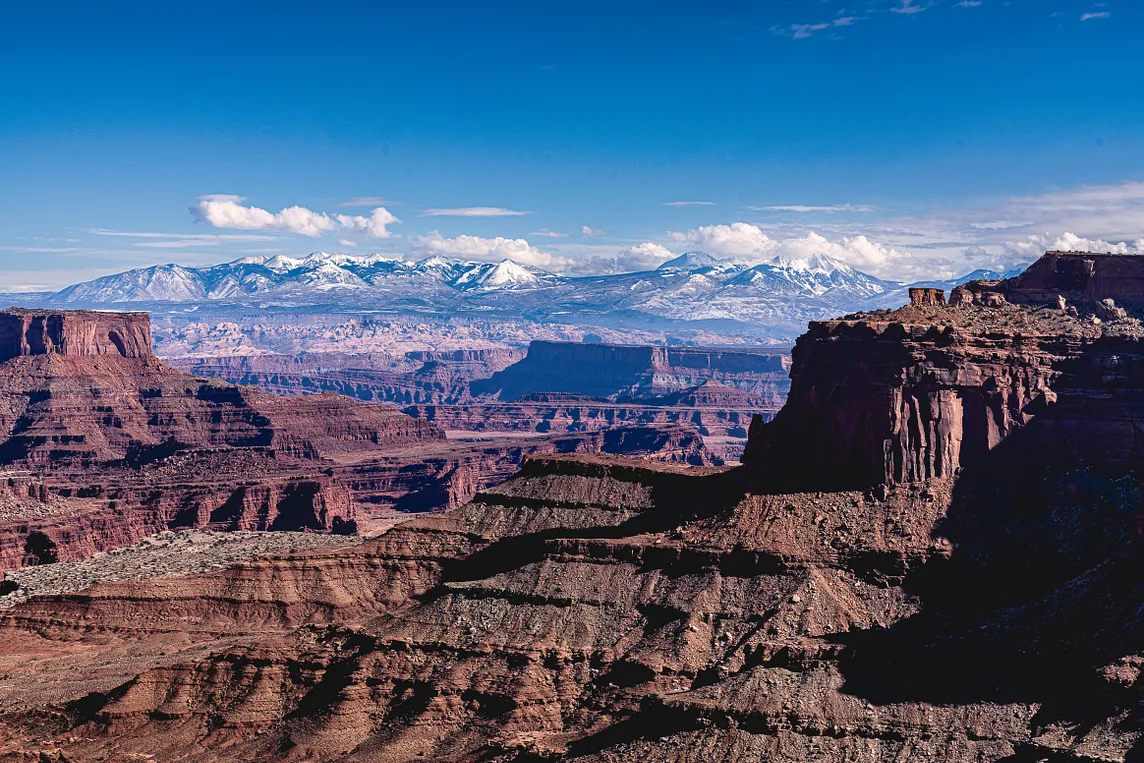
column 929, row 391
column 605, row 370
column 1075, row 276
column 884, row 402
column 77, row 333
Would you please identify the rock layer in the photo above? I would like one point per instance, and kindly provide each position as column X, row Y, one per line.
column 601, row 370
column 971, row 593
column 929, row 392
column 74, row 333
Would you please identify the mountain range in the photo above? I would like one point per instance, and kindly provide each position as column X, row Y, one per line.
column 775, row 298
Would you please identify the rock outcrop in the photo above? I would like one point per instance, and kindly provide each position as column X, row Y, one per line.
column 967, row 591
column 607, row 371
column 74, row 334
column 1080, row 276
column 926, row 296
column 714, row 391
column 104, row 448
column 928, row 391
column 418, row 377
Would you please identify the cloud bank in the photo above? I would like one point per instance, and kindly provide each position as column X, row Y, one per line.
column 484, row 249
column 224, row 211
column 748, row 244
column 471, row 212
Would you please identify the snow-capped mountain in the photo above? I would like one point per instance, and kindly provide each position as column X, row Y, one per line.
column 691, row 261
column 505, row 274
column 775, row 298
column 817, row 276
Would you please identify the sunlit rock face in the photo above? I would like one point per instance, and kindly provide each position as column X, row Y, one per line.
column 74, row 333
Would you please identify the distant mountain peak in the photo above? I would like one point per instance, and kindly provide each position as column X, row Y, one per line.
column 775, row 297
column 816, row 263
column 690, row 261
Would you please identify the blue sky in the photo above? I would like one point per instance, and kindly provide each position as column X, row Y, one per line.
column 910, row 138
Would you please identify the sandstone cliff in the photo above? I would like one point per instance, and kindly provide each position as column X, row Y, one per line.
column 74, row 333
column 603, row 371
column 928, row 391
column 120, row 446
column 966, row 590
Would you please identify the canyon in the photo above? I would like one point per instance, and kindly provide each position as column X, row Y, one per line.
column 102, row 444
column 553, row 387
column 931, row 552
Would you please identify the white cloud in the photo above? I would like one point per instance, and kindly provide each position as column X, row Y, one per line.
column 645, row 255
column 347, row 242
column 206, row 237
column 1096, row 15
column 1094, row 211
column 471, row 212
column 177, row 244
column 221, row 197
column 803, row 31
column 735, row 240
column 969, row 4
column 829, row 209
column 1001, row 224
column 586, row 231
column 1036, row 245
column 486, row 249
column 229, row 212
column 907, row 6
column 749, row 244
column 45, row 249
column 689, row 203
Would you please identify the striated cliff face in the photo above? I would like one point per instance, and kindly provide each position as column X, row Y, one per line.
column 890, row 401
column 929, row 391
column 601, row 370
column 974, row 599
column 114, row 445
column 1079, row 276
column 57, row 410
column 74, row 333
column 120, row 446
column 416, row 377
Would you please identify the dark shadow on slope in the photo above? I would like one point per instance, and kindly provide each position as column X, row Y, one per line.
column 1044, row 585
column 677, row 498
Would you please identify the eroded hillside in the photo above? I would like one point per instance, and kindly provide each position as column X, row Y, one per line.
column 965, row 587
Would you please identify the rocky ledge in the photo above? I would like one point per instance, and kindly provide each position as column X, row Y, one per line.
column 76, row 333
column 102, row 444
column 952, row 578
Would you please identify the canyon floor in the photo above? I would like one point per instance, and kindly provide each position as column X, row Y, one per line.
column 932, row 552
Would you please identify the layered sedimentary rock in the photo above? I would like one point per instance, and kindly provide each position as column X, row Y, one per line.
column 576, row 387
column 928, row 391
column 601, row 370
column 107, row 444
column 1080, row 276
column 419, row 377
column 74, row 333
column 599, row 608
column 588, row 416
column 104, row 448
column 433, row 478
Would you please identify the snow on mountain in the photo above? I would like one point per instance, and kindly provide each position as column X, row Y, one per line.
column 816, row 276
column 159, row 283
column 504, row 275
column 776, row 297
column 691, row 261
